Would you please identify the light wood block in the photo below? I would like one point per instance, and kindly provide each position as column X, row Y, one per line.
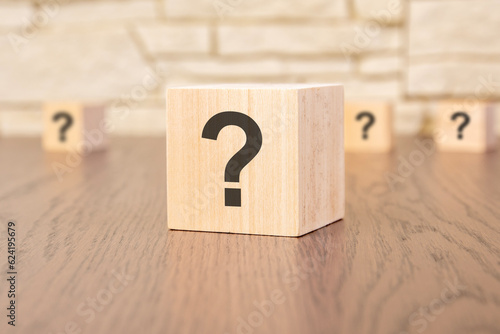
column 74, row 126
column 293, row 185
column 364, row 133
column 465, row 127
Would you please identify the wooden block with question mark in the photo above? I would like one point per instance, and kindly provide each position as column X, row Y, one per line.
column 74, row 126
column 368, row 127
column 465, row 126
column 255, row 159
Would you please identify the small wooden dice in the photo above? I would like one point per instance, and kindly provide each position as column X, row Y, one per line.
column 72, row 126
column 368, row 127
column 466, row 127
column 257, row 159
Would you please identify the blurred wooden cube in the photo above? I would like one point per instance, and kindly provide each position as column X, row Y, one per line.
column 465, row 127
column 74, row 126
column 368, row 126
column 293, row 185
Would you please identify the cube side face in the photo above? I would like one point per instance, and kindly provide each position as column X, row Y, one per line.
column 321, row 156
column 95, row 133
column 196, row 166
column 379, row 137
column 474, row 137
column 55, row 138
column 491, row 138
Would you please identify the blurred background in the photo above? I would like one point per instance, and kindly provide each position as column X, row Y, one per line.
column 124, row 53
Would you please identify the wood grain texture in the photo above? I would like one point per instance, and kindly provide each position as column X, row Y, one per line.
column 295, row 183
column 321, row 155
column 394, row 253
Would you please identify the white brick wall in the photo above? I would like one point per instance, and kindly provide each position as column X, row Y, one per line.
column 25, row 122
column 276, row 9
column 390, row 11
column 91, row 12
column 170, row 39
column 412, row 53
column 70, row 64
column 13, row 14
column 377, row 65
column 453, row 47
column 455, row 27
column 297, row 39
column 456, row 78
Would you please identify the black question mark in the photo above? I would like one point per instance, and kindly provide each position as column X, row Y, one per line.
column 367, row 126
column 464, row 123
column 66, row 126
column 243, row 156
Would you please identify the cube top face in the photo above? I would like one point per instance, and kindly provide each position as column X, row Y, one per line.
column 463, row 127
column 257, row 86
column 214, row 183
column 368, row 126
column 63, row 124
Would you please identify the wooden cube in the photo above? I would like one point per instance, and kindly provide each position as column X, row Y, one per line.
column 288, row 178
column 465, row 126
column 70, row 126
column 368, row 127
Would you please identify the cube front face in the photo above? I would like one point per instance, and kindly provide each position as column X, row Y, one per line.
column 63, row 126
column 368, row 127
column 462, row 127
column 197, row 160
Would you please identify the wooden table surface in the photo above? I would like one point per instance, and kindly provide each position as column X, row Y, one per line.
column 94, row 254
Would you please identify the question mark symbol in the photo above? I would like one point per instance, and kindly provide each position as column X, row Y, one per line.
column 369, row 115
column 464, row 123
column 66, row 126
column 243, row 156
